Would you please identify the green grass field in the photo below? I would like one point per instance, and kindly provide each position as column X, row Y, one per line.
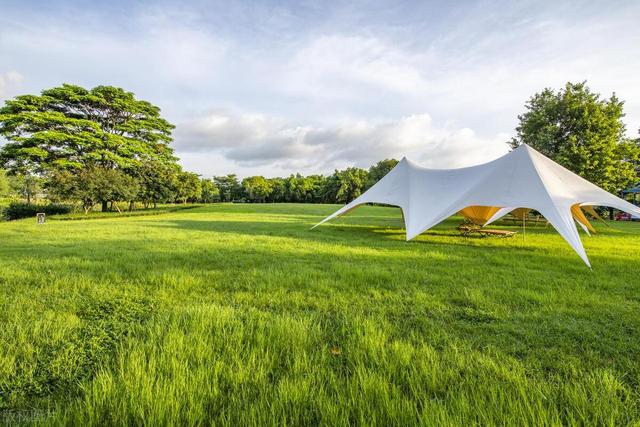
column 239, row 315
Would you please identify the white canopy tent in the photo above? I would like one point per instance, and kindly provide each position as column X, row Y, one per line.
column 523, row 178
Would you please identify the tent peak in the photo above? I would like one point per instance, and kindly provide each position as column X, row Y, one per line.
column 524, row 147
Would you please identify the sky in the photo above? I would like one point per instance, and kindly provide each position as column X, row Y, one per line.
column 278, row 87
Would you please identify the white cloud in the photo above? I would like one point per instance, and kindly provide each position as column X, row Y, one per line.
column 9, row 83
column 162, row 54
column 255, row 141
column 328, row 64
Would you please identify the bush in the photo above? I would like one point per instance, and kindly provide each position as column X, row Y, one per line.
column 23, row 210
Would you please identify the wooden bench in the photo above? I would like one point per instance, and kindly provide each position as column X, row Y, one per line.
column 469, row 229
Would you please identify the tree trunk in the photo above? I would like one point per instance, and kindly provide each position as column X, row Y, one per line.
column 155, row 204
column 105, row 206
column 130, row 206
column 611, row 214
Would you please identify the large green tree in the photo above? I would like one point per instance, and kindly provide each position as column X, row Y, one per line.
column 77, row 129
column 583, row 132
column 72, row 127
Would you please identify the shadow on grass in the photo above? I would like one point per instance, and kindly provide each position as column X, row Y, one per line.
column 388, row 236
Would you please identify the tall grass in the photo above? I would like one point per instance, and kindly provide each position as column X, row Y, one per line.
column 239, row 315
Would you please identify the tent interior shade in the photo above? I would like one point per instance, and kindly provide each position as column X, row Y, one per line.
column 520, row 178
column 579, row 216
column 479, row 214
column 520, row 213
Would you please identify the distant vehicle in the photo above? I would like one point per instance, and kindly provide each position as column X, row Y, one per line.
column 623, row 216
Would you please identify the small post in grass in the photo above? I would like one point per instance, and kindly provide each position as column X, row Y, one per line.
column 41, row 218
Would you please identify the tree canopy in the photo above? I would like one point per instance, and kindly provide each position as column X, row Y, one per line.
column 583, row 132
column 188, row 187
column 257, row 188
column 210, row 193
column 345, row 185
column 91, row 185
column 229, row 186
column 99, row 135
column 69, row 127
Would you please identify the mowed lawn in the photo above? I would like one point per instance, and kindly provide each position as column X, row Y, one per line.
column 240, row 315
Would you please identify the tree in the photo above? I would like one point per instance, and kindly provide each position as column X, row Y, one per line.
column 188, row 187
column 210, row 193
column 347, row 184
column 230, row 188
column 26, row 185
column 278, row 190
column 4, row 184
column 379, row 170
column 93, row 185
column 304, row 189
column 72, row 128
column 330, row 188
column 582, row 132
column 257, row 188
column 294, row 188
column 128, row 190
column 158, row 181
column 314, row 188
column 61, row 186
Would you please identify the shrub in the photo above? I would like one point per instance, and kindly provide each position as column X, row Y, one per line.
column 18, row 210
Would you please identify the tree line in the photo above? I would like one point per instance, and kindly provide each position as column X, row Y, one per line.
column 110, row 187
column 104, row 147
column 340, row 187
